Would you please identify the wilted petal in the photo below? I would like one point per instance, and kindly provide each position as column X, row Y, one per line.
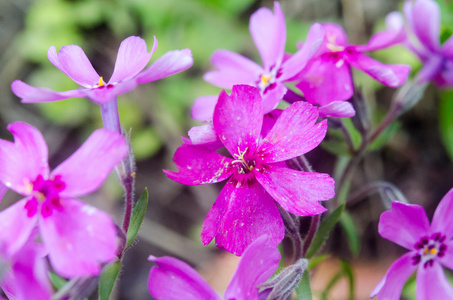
column 294, row 133
column 240, row 215
column 106, row 93
column 131, row 59
column 199, row 165
column 426, row 23
column 391, row 285
column 86, row 169
column 442, row 220
column 339, row 109
column 297, row 192
column 432, row 283
column 268, row 31
column 232, row 68
column 404, row 224
column 168, row 64
column 79, row 238
column 30, row 94
column 72, row 61
column 203, row 108
column 258, row 263
column 173, row 279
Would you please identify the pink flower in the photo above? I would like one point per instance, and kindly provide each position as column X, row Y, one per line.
column 77, row 236
column 132, row 58
column 430, row 247
column 245, row 208
column 173, row 279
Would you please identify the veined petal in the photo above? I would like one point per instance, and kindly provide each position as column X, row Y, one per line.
column 297, row 192
column 404, row 224
column 240, row 215
column 442, row 220
column 173, row 279
column 232, row 68
column 72, row 61
column 391, row 285
column 106, row 93
column 79, row 238
column 432, row 283
column 339, row 109
column 87, row 168
column 447, row 259
column 238, row 118
column 426, row 23
column 30, row 94
column 203, row 108
column 168, row 64
column 131, row 59
column 258, row 263
column 294, row 133
column 391, row 75
column 268, row 31
column 199, row 165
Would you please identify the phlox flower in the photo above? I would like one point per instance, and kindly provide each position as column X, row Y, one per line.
column 77, row 236
column 430, row 247
column 268, row 31
column 173, row 279
column 256, row 171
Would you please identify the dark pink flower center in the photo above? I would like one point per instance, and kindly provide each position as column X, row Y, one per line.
column 45, row 195
column 245, row 163
column 267, row 80
column 428, row 249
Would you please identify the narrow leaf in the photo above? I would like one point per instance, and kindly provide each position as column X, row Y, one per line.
column 303, row 290
column 347, row 271
column 331, row 284
column 138, row 213
column 57, row 281
column 350, row 230
column 446, row 121
column 108, row 278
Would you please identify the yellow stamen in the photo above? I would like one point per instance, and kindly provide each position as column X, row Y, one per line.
column 101, row 81
column 39, row 196
column 426, row 250
column 265, row 78
column 331, row 45
column 133, row 175
column 241, row 159
column 433, row 251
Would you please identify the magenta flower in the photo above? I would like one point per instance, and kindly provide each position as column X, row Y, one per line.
column 131, row 59
column 77, row 236
column 268, row 31
column 423, row 18
column 173, row 279
column 326, row 81
column 430, row 247
column 245, row 208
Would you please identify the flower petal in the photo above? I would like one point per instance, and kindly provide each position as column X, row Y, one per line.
column 447, row 259
column 203, row 108
column 432, row 68
column 258, row 263
column 168, row 64
column 442, row 220
column 173, row 279
column 79, row 238
column 204, row 135
column 273, row 96
column 391, row 285
column 72, row 61
column 294, row 133
column 268, row 31
column 30, row 94
column 238, row 118
column 106, row 93
column 239, row 216
column 131, row 59
column 199, row 165
column 232, row 68
column 339, row 109
column 404, row 224
column 297, row 192
column 432, row 283
column 87, row 168
column 426, row 23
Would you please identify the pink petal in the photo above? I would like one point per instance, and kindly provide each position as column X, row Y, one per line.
column 106, row 93
column 131, row 59
column 30, row 94
column 268, row 31
column 391, row 75
column 294, row 133
column 72, row 61
column 334, row 36
column 239, row 216
column 203, row 108
column 297, row 192
column 258, row 263
column 426, row 23
column 447, row 47
column 391, row 285
column 79, row 238
column 168, row 64
column 3, row 190
column 204, row 135
column 447, row 259
column 432, row 68
column 87, row 168
column 272, row 97
column 199, row 165
column 404, row 224
column 232, row 68
column 269, row 121
column 432, row 283
column 238, row 118
column 339, row 109
column 173, row 279
column 442, row 220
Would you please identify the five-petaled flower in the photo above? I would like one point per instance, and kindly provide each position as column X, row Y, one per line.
column 430, row 247
column 257, row 172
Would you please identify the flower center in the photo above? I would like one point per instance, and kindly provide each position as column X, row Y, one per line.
column 331, row 43
column 268, row 80
column 428, row 249
column 243, row 164
column 45, row 195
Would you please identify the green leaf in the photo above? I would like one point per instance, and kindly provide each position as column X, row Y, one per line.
column 383, row 138
column 347, row 271
column 354, row 134
column 352, row 235
column 323, row 232
column 138, row 213
column 108, row 278
column 446, row 121
column 303, row 290
column 331, row 284
column 317, row 260
column 57, row 281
